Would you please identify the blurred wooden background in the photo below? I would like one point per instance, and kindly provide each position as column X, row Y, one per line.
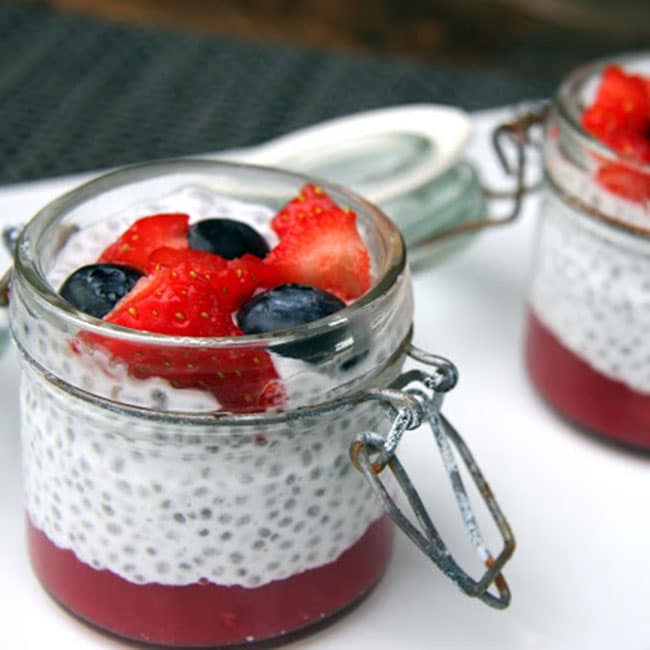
column 537, row 36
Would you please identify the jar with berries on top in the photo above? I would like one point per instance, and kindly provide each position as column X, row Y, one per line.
column 213, row 395
column 587, row 343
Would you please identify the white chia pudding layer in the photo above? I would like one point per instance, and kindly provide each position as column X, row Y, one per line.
column 157, row 499
column 167, row 503
column 591, row 289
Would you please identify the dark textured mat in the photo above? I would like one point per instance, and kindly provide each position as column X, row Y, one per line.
column 79, row 94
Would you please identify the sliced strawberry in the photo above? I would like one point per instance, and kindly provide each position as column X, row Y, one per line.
column 621, row 105
column 242, row 379
column 633, row 145
column 238, row 281
column 172, row 301
column 327, row 253
column 627, row 183
column 620, row 118
column 603, row 122
column 144, row 236
column 624, row 93
column 311, row 202
column 177, row 301
column 198, row 262
column 233, row 281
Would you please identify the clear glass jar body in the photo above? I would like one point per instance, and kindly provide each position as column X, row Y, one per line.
column 589, row 304
column 158, row 517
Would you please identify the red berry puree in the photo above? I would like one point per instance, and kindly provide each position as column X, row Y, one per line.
column 208, row 614
column 587, row 397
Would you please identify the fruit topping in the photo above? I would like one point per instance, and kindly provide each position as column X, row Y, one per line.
column 95, row 289
column 173, row 301
column 205, row 264
column 288, row 306
column 227, row 238
column 621, row 107
column 233, row 281
column 198, row 278
column 135, row 245
column 240, row 279
column 623, row 181
column 176, row 301
column 620, row 118
column 243, row 380
column 327, row 253
column 310, row 203
column 285, row 307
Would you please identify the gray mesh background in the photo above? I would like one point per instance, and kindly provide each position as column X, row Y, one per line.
column 78, row 94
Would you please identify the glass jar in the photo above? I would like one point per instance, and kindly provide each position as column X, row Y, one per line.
column 159, row 516
column 589, row 303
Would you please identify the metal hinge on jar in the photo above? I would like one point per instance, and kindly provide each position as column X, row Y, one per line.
column 512, row 142
column 415, row 399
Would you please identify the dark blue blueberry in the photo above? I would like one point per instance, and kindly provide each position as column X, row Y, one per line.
column 227, row 238
column 95, row 289
column 288, row 306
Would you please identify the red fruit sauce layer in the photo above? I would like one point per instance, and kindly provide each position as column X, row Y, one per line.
column 587, row 397
column 207, row 614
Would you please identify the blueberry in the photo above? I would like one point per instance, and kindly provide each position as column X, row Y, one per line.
column 95, row 289
column 227, row 238
column 290, row 305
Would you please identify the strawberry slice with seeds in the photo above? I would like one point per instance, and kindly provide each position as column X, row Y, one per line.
column 620, row 118
column 233, row 281
column 177, row 301
column 625, row 182
column 144, row 236
column 327, row 253
column 239, row 280
column 603, row 123
column 310, row 203
column 243, row 380
column 197, row 263
column 172, row 301
column 633, row 145
column 621, row 106
column 626, row 93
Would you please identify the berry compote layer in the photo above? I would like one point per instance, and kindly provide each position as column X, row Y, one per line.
column 587, row 397
column 207, row 614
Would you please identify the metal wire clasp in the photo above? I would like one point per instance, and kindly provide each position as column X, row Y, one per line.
column 415, row 399
column 511, row 142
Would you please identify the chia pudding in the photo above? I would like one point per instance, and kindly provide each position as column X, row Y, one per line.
column 587, row 347
column 157, row 515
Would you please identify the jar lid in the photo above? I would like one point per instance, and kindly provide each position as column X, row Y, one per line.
column 404, row 159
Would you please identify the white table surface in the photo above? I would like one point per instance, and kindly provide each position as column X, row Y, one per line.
column 580, row 509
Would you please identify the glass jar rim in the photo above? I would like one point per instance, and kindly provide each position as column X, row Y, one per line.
column 28, row 267
column 567, row 104
column 216, row 419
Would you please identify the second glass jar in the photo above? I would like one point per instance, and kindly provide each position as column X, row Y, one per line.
column 154, row 517
column 587, row 344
